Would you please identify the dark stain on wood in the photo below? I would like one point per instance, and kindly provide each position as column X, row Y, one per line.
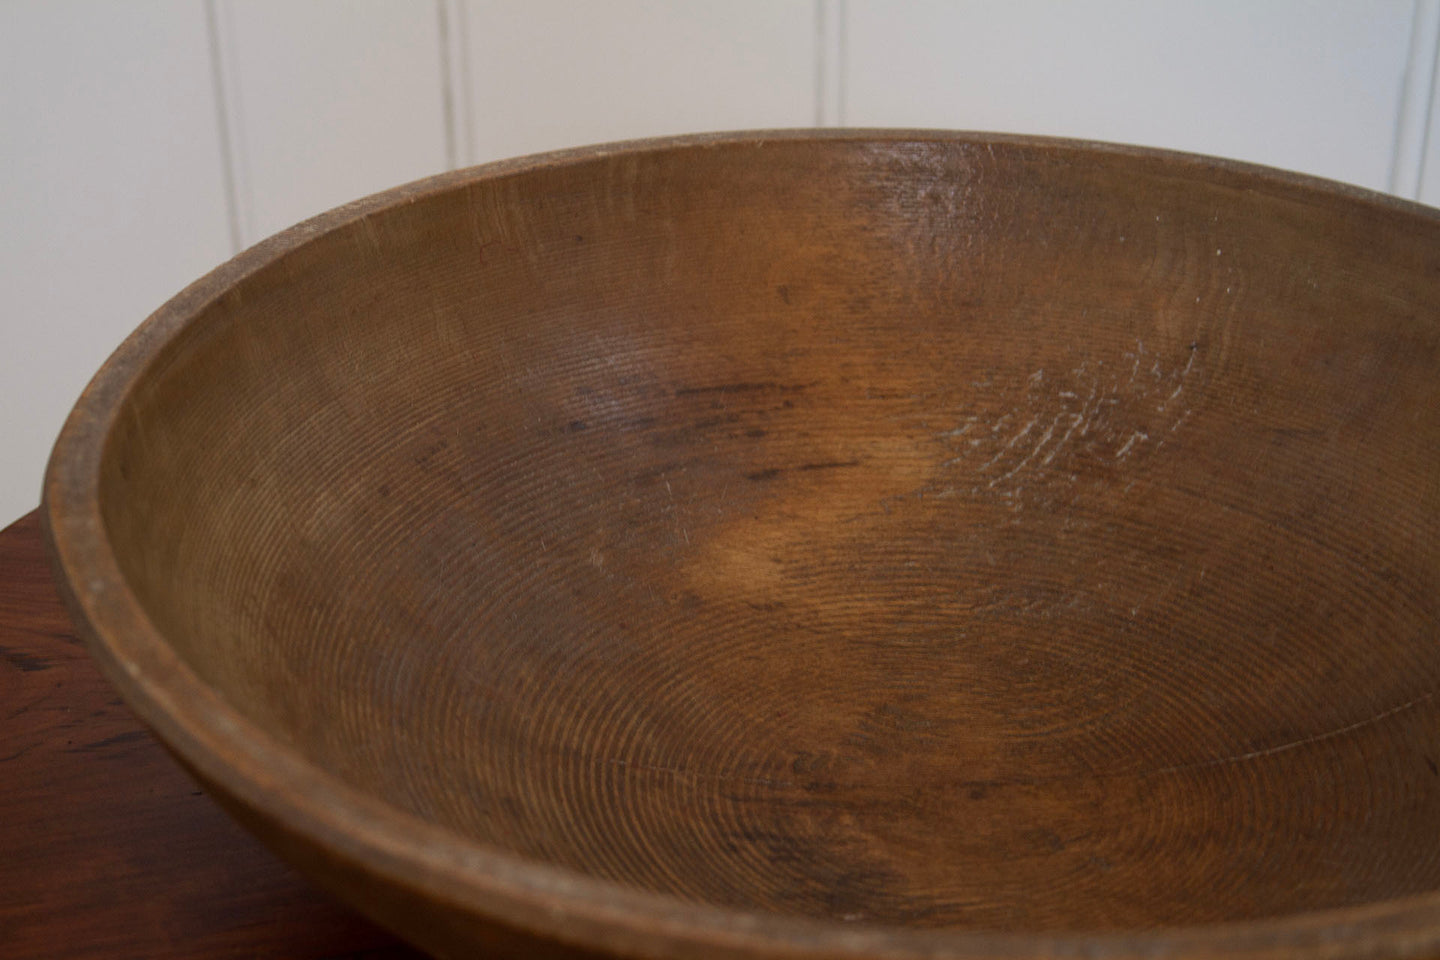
column 21, row 660
column 730, row 388
column 111, row 743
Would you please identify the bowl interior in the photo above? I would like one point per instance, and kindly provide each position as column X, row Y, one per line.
column 979, row 534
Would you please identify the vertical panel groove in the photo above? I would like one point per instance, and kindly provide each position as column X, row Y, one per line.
column 447, row 86
column 1425, row 135
column 222, row 123
column 1434, row 34
column 461, row 60
column 454, row 24
column 820, row 63
column 842, row 67
column 830, row 64
column 1416, row 101
column 241, row 200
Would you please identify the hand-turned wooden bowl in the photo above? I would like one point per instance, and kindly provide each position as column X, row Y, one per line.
column 869, row 544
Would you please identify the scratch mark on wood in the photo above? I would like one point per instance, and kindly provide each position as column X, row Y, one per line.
column 1024, row 431
column 1304, row 741
column 1044, row 439
column 1075, row 420
column 1137, row 436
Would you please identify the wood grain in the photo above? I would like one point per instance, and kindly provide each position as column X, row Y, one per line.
column 107, row 849
column 869, row 544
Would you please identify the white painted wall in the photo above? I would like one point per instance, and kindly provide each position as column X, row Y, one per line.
column 1290, row 83
column 143, row 143
column 111, row 199
column 328, row 101
column 547, row 74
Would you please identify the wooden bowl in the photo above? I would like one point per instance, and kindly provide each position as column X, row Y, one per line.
column 865, row 544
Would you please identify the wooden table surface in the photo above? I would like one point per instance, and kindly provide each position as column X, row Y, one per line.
column 107, row 848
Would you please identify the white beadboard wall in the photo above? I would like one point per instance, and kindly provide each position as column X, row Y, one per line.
column 143, row 143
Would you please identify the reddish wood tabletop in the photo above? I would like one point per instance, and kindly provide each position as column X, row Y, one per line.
column 107, row 848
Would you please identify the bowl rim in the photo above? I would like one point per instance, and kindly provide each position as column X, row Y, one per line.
column 543, row 899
